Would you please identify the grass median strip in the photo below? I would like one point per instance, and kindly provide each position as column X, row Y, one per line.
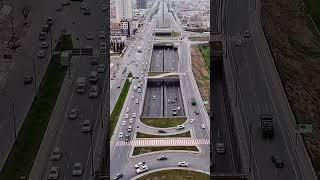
column 163, row 122
column 205, row 51
column 118, row 107
column 174, row 174
column 148, row 149
column 25, row 149
column 143, row 135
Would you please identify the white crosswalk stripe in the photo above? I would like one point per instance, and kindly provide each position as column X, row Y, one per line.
column 163, row 142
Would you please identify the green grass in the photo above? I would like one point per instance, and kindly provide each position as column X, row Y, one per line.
column 29, row 138
column 118, row 107
column 175, row 34
column 175, row 174
column 205, row 51
column 314, row 9
column 163, row 122
column 24, row 151
column 143, row 150
column 143, row 135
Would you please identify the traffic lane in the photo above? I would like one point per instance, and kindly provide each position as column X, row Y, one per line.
column 237, row 16
column 152, row 108
column 262, row 149
column 156, row 60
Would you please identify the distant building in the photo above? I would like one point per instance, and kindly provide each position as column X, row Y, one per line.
column 141, row 4
column 117, row 44
column 126, row 28
column 124, row 9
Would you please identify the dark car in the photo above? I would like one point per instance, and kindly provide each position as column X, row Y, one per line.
column 94, row 61
column 162, row 131
column 118, row 176
column 28, row 79
column 162, row 158
column 127, row 138
column 197, row 112
column 277, row 161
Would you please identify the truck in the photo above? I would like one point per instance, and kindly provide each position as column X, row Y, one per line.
column 267, row 125
column 193, row 101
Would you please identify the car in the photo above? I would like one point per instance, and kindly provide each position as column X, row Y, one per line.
column 203, row 126
column 132, row 97
column 191, row 120
column 45, row 28
column 27, row 79
column 196, row 112
column 86, row 11
column 73, row 114
column 161, row 158
column 89, row 36
column 239, row 42
column 142, row 169
column 101, row 68
column 162, row 131
column 50, row 21
column 124, row 123
column 137, row 101
column 154, row 97
column 103, row 47
column 42, row 36
column 174, row 112
column 169, row 101
column 120, row 135
column 102, row 34
column 277, row 161
column 127, row 138
column 54, row 172
column 86, row 126
column 246, row 34
column 139, row 90
column 93, row 93
column 65, row 3
column 117, row 176
column 140, row 164
column 129, row 129
column 83, row 6
column 131, row 121
column 127, row 110
column 104, row 8
column 118, row 86
column 123, row 77
column 59, row 7
column 77, row 169
column 220, row 148
column 183, row 164
column 56, row 154
column 126, row 116
column 178, row 108
column 180, row 127
column 41, row 54
column 44, row 45
column 134, row 115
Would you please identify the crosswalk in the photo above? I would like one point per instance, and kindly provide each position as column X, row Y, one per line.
column 163, row 142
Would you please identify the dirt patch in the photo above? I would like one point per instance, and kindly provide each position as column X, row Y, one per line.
column 201, row 74
column 296, row 52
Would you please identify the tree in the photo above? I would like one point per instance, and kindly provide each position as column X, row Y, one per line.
column 25, row 12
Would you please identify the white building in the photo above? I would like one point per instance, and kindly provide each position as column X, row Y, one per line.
column 124, row 9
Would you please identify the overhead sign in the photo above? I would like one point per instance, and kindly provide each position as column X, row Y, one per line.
column 304, row 128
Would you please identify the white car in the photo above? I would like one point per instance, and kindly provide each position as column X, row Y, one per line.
column 132, row 97
column 203, row 126
column 191, row 120
column 123, row 123
column 54, row 173
column 180, row 127
column 140, row 164
column 56, row 154
column 154, row 97
column 131, row 121
column 139, row 90
column 183, row 164
column 126, row 116
column 129, row 129
column 137, row 101
column 77, row 169
column 103, row 47
column 178, row 108
column 134, row 115
column 120, row 135
column 127, row 110
column 143, row 168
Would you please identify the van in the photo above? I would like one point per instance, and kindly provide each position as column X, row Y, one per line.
column 81, row 85
column 93, row 76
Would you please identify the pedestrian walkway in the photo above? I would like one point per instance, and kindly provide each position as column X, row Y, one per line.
column 163, row 142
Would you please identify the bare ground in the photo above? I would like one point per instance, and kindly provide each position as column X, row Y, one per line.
column 201, row 74
column 296, row 52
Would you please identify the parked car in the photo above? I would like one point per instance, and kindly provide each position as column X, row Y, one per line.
column 117, row 176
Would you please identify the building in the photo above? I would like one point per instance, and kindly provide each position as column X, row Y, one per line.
column 117, row 44
column 126, row 28
column 141, row 4
column 124, row 9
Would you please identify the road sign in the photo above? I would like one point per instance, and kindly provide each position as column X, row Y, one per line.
column 304, row 128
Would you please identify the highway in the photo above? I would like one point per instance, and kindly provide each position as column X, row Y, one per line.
column 260, row 91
